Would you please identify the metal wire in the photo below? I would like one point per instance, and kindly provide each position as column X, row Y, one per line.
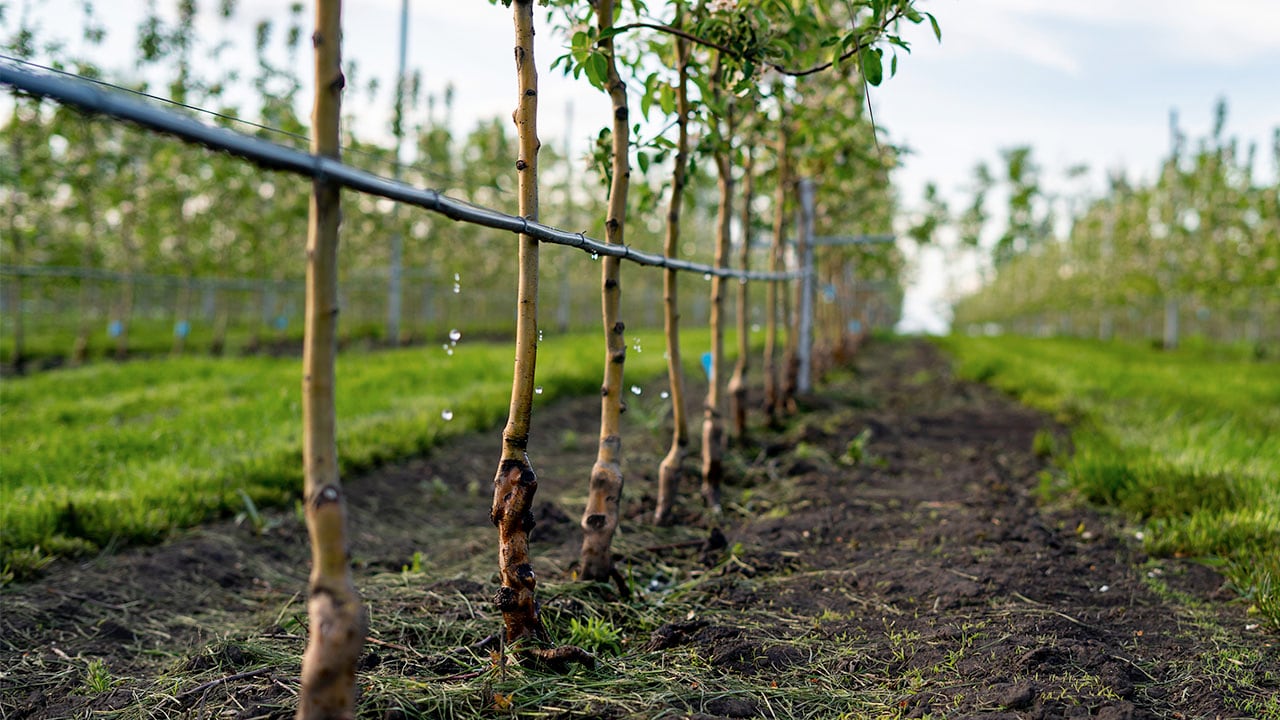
column 395, row 164
column 271, row 156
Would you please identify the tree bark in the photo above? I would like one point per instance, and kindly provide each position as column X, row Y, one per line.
column 15, row 298
column 338, row 620
column 772, row 388
column 84, row 303
column 712, row 428
column 738, row 383
column 671, row 467
column 515, row 483
column 600, row 518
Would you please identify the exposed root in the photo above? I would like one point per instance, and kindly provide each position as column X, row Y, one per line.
column 559, row 659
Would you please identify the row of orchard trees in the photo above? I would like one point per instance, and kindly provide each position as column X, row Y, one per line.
column 102, row 197
column 1199, row 243
column 707, row 60
column 757, row 94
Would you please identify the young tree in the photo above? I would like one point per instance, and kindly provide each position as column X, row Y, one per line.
column 670, row 469
column 515, row 483
column 338, row 620
column 738, row 383
column 600, row 518
column 722, row 134
column 773, row 400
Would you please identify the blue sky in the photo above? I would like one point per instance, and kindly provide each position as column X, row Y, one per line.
column 1082, row 81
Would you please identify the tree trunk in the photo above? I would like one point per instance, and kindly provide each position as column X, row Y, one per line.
column 515, row 483
column 84, row 300
column 801, row 370
column 19, row 340
column 15, row 287
column 738, row 383
column 1170, row 322
column 789, row 369
column 337, row 617
column 712, row 428
column 600, row 518
column 672, row 465
column 772, row 389
column 221, row 319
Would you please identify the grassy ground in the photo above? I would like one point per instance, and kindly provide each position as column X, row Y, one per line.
column 1187, row 441
column 119, row 453
column 883, row 555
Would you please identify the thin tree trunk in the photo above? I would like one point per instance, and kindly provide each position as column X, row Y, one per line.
column 790, row 365
column 19, row 329
column 600, row 518
column 712, row 428
column 515, row 483
column 672, row 465
column 221, row 319
column 793, row 312
column 1170, row 336
column 80, row 347
column 738, row 383
column 772, row 389
column 19, row 341
column 338, row 620
column 84, row 303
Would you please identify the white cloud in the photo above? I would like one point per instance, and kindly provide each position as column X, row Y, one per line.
column 1222, row 32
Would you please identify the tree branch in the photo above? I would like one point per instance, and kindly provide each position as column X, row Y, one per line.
column 861, row 43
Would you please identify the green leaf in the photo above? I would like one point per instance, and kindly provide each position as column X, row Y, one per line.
column 667, row 99
column 872, row 69
column 937, row 31
column 597, row 69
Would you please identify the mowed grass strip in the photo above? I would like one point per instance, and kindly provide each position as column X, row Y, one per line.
column 1188, row 441
column 121, row 453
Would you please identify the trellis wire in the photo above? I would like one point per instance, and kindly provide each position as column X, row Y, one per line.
column 270, row 156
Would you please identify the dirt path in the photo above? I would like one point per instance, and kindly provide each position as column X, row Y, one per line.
column 909, row 573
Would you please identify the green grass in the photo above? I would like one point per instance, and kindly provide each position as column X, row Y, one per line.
column 122, row 453
column 50, row 340
column 1187, row 441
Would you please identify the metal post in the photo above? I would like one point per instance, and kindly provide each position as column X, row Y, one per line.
column 396, row 262
column 804, row 353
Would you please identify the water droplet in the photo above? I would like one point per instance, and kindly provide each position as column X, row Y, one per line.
column 595, row 256
column 457, row 289
column 447, row 415
column 457, row 277
column 539, row 336
column 755, row 327
column 537, row 390
column 664, row 395
column 635, row 390
column 706, row 276
column 455, row 335
column 636, row 344
column 742, row 281
column 448, row 350
column 447, row 347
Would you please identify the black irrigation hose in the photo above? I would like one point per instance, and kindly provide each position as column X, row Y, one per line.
column 268, row 155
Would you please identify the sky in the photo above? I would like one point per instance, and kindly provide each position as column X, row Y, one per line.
column 1081, row 81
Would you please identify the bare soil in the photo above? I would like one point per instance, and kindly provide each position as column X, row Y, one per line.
column 918, row 571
